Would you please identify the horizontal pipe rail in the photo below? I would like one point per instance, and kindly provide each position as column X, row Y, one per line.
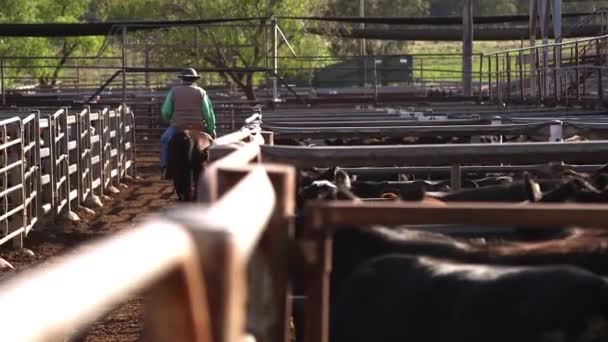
column 395, row 213
column 162, row 247
column 396, row 131
column 437, row 155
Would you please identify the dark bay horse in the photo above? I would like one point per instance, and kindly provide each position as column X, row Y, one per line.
column 188, row 153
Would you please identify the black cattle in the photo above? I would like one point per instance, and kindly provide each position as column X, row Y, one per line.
column 421, row 299
column 519, row 191
column 354, row 246
column 339, row 188
column 188, row 151
column 406, row 189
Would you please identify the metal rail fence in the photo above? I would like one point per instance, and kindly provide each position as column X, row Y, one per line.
column 214, row 276
column 52, row 163
column 561, row 73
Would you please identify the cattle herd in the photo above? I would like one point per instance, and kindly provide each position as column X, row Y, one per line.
column 417, row 284
column 475, row 284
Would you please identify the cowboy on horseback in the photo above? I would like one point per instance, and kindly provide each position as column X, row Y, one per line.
column 187, row 106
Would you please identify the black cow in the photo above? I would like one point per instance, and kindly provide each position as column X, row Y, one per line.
column 422, row 299
column 188, row 151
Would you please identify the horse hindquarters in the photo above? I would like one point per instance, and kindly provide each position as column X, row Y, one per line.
column 179, row 168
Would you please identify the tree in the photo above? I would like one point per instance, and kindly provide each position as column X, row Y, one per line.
column 65, row 11
column 47, row 71
column 374, row 8
column 220, row 46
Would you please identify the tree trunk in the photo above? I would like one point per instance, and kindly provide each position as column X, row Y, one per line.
column 248, row 89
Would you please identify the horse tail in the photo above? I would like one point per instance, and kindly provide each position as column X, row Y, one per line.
column 178, row 155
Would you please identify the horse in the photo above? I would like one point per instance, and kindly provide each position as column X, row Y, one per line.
column 188, row 153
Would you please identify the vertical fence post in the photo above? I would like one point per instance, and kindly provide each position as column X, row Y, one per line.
column 497, row 121
column 539, row 90
column 317, row 248
column 456, row 177
column 599, row 62
column 508, row 67
column 555, row 73
column 480, row 78
column 124, row 64
column 490, row 78
column 3, row 84
column 556, row 131
column 275, row 60
column 498, row 92
column 521, row 76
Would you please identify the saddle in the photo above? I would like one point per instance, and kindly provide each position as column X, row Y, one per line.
column 196, row 133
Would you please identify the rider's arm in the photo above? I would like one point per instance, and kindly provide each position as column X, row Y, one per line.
column 209, row 115
column 167, row 109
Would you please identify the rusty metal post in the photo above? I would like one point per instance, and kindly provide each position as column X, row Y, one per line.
column 317, row 248
column 124, row 65
column 577, row 72
column 456, row 177
column 490, row 78
column 556, row 131
column 555, row 81
column 275, row 60
column 269, row 309
column 480, row 78
column 600, row 86
column 538, row 76
column 77, row 77
column 497, row 121
column 467, row 48
column 498, row 80
column 521, row 76
column 508, row 67
column 268, row 137
column 3, row 84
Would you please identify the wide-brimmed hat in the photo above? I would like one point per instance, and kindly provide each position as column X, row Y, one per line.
column 189, row 74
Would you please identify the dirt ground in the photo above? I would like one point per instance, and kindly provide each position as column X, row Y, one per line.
column 145, row 196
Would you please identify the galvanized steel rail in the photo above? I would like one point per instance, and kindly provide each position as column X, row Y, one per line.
column 51, row 163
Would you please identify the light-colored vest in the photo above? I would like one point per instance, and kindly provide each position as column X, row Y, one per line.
column 187, row 105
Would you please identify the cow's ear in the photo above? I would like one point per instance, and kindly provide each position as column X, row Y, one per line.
column 533, row 190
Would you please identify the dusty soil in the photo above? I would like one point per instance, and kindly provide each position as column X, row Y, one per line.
column 145, row 196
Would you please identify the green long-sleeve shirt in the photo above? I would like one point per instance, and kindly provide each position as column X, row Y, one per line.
column 208, row 114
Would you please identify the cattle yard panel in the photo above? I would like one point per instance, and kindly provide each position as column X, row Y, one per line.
column 202, row 251
column 564, row 72
column 31, row 159
column 97, row 149
column 128, row 153
column 73, row 152
column 114, row 140
column 106, row 149
column 47, row 195
column 85, row 154
column 12, row 208
column 61, row 174
column 60, row 164
column 31, row 176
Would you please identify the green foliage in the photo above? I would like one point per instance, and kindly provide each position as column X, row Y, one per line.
column 46, row 71
column 221, row 46
column 374, row 8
